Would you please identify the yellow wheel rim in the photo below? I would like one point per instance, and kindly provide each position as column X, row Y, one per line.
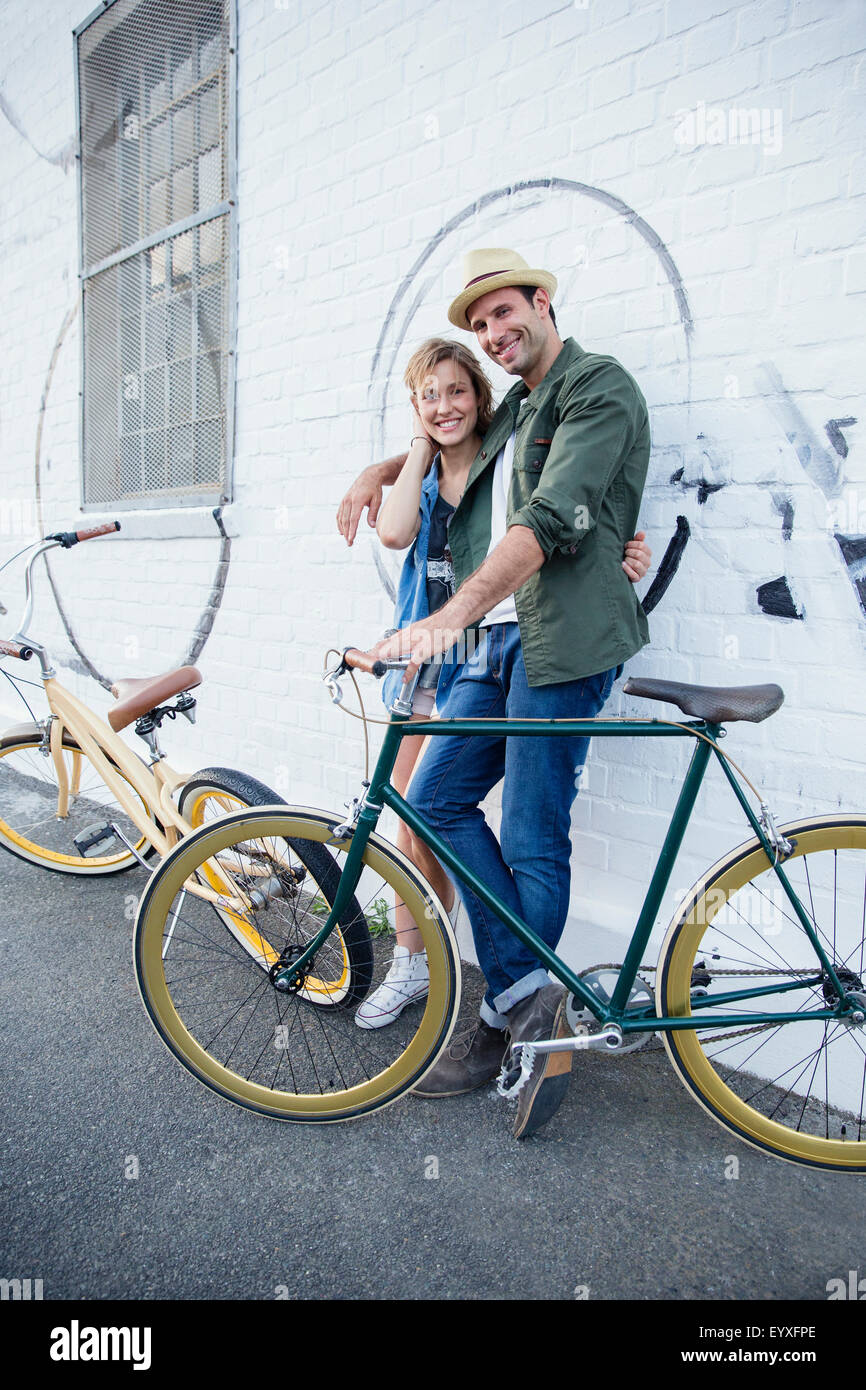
column 375, row 1091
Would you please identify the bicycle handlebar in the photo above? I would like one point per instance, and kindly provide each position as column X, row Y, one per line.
column 13, row 649
column 70, row 538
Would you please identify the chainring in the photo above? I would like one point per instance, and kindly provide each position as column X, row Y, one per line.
column 601, row 980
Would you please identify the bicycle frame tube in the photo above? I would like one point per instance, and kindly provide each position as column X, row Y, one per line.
column 382, row 790
column 105, row 749
column 381, row 793
column 353, row 867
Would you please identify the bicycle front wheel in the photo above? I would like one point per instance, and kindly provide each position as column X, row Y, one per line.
column 795, row 1089
column 293, row 1056
column 80, row 841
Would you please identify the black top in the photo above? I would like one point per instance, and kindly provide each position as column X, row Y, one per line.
column 440, row 569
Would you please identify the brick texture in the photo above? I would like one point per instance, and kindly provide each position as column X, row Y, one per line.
column 732, row 128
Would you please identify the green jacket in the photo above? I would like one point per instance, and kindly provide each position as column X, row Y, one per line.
column 580, row 464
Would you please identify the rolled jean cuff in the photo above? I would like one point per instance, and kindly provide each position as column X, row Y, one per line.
column 521, row 989
column 491, row 1017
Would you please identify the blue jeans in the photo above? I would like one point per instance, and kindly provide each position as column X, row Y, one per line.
column 529, row 866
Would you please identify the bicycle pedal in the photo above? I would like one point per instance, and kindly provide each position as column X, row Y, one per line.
column 513, row 1078
column 102, row 834
column 507, row 1080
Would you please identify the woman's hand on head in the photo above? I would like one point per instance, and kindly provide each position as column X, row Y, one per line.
column 419, row 429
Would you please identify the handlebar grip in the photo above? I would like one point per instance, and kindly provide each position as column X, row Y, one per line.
column 12, row 649
column 70, row 538
column 106, row 529
column 362, row 661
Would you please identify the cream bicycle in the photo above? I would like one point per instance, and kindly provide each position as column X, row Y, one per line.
column 76, row 799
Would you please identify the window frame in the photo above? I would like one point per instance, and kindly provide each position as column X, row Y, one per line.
column 222, row 494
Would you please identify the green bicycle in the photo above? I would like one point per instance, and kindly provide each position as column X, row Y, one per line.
column 759, row 990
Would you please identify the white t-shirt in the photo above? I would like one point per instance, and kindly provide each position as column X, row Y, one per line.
column 504, row 611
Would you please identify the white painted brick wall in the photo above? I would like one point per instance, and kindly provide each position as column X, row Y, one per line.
column 363, row 128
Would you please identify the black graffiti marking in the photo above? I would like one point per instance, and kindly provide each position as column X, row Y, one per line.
column 669, row 565
column 206, row 621
column 776, row 600
column 704, row 488
column 85, row 666
column 785, row 507
column 37, row 487
column 40, row 419
column 835, row 435
column 853, row 550
column 384, row 576
column 821, row 466
column 88, row 666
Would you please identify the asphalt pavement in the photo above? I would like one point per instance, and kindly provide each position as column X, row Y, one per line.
column 123, row 1178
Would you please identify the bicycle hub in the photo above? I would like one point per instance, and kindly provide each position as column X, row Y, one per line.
column 283, row 977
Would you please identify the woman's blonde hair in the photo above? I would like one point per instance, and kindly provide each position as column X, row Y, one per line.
column 436, row 350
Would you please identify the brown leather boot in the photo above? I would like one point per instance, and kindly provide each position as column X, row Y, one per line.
column 471, row 1059
column 541, row 1016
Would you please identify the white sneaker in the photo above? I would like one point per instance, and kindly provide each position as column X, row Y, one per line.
column 407, row 980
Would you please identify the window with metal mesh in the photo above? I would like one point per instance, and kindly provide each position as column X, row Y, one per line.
column 153, row 84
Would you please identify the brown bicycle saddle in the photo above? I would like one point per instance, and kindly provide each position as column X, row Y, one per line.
column 136, row 697
column 718, row 704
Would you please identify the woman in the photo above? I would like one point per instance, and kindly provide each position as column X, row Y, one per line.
column 452, row 406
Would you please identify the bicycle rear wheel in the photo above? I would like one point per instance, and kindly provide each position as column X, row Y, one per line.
column 299, row 1055
column 797, row 1089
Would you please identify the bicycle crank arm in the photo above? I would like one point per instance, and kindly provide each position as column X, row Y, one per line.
column 151, row 869
column 607, row 1038
column 512, row 1078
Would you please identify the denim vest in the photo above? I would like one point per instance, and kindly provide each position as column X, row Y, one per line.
column 412, row 603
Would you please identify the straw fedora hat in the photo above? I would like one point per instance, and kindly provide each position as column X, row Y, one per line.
column 493, row 268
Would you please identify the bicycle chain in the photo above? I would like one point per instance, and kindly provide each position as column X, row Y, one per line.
column 756, row 1027
column 740, row 1032
column 654, row 970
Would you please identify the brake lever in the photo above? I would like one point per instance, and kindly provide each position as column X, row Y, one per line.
column 331, row 679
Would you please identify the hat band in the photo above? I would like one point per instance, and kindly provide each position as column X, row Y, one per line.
column 488, row 275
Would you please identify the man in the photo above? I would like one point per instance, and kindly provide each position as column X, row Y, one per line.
column 537, row 544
